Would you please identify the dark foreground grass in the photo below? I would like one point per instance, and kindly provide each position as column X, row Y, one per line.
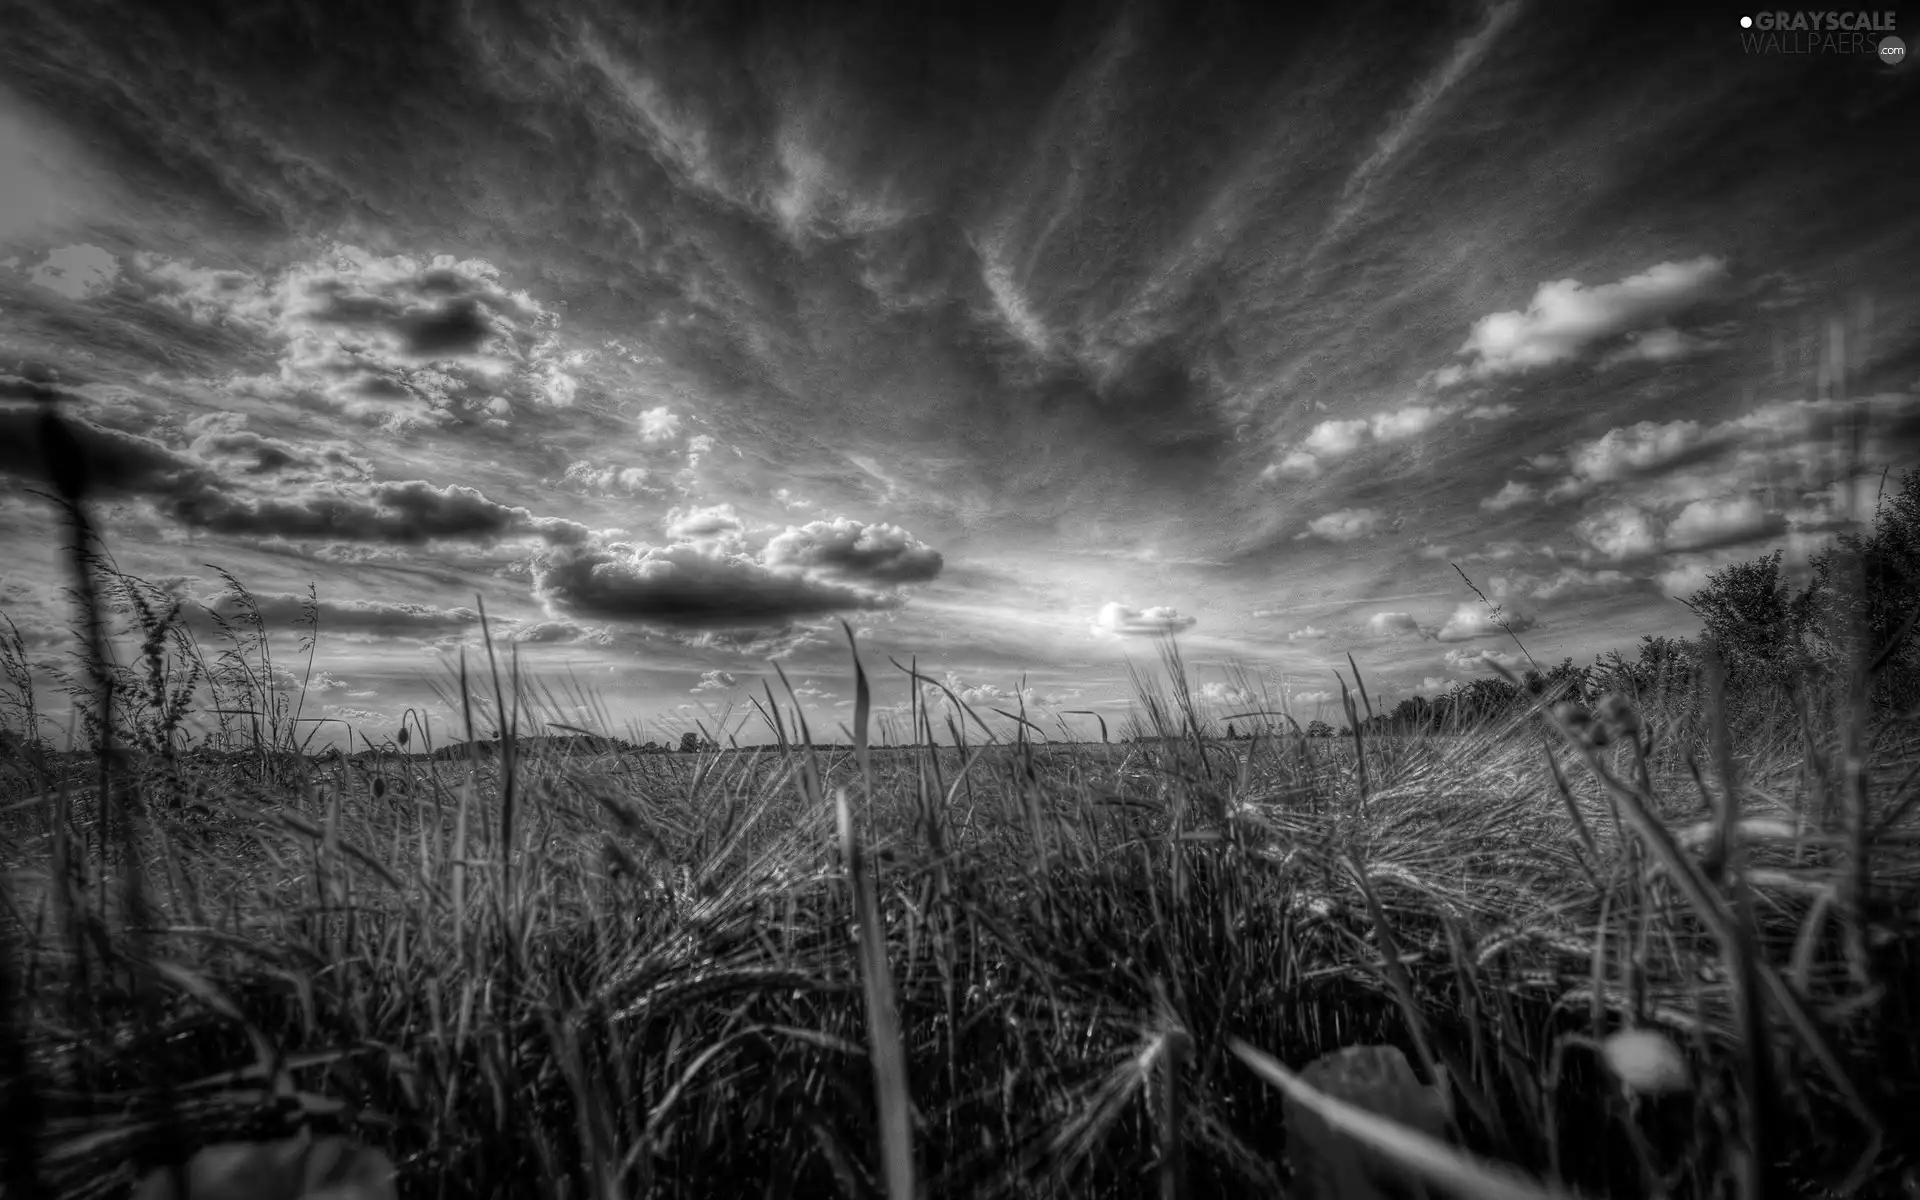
column 997, row 968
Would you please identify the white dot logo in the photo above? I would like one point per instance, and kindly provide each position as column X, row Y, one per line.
column 1893, row 51
column 1746, row 22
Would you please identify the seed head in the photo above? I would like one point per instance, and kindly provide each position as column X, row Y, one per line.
column 1646, row 1062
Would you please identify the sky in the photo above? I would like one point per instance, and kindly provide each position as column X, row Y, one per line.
column 1015, row 338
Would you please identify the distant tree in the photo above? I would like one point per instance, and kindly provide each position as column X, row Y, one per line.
column 689, row 742
column 1231, row 735
column 1752, row 619
column 1875, row 580
column 1319, row 729
column 1413, row 715
column 1564, row 682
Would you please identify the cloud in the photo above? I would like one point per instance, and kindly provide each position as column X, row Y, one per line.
column 987, row 694
column 1661, row 345
column 289, row 610
column 550, row 632
column 1571, row 581
column 1338, row 439
column 715, row 681
column 1619, row 532
column 692, row 524
column 882, row 553
column 1117, row 620
column 1626, row 451
column 1306, row 633
column 1473, row 620
column 709, row 581
column 398, row 341
column 1312, row 697
column 1511, row 496
column 691, row 585
column 1297, row 462
column 77, row 272
column 1477, row 661
column 1345, row 525
column 659, row 424
column 584, row 478
column 1490, row 412
column 1566, row 316
column 186, row 486
column 1333, row 439
column 1392, row 622
column 1706, row 523
column 1216, row 692
column 1433, row 684
column 256, row 454
column 1411, row 421
column 1689, row 572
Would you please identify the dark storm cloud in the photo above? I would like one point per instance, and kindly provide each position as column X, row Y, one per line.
column 265, row 455
column 692, row 586
column 406, row 513
column 190, row 490
column 120, row 462
column 434, row 315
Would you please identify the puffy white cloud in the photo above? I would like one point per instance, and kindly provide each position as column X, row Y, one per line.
column 883, row 553
column 715, row 681
column 1513, row 495
column 1661, row 345
column 1306, row 633
column 1628, row 450
column 77, row 272
column 585, row 478
column 1566, row 316
column 1392, row 622
column 659, row 424
column 1717, row 522
column 717, row 521
column 1333, row 439
column 1345, row 525
column 1118, row 620
column 1216, row 692
column 1312, row 697
column 1477, row 661
column 1474, row 620
column 1296, row 462
column 1619, row 532
column 1411, row 421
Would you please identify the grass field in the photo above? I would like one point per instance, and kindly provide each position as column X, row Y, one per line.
column 1010, row 966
